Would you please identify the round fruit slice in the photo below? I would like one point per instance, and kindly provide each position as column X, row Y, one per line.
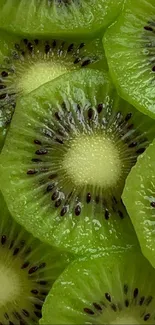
column 77, row 18
column 25, row 64
column 115, row 289
column 28, row 269
column 69, row 149
column 139, row 198
column 130, row 50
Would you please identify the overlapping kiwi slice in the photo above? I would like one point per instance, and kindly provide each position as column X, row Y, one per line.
column 139, row 198
column 130, row 49
column 70, row 147
column 25, row 64
column 28, row 269
column 113, row 289
column 78, row 18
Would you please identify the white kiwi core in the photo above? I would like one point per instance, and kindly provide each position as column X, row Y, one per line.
column 39, row 73
column 126, row 320
column 10, row 284
column 93, row 160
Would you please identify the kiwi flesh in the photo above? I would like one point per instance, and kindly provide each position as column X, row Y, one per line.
column 70, row 147
column 130, row 49
column 113, row 289
column 28, row 270
column 67, row 18
column 139, row 198
column 25, row 64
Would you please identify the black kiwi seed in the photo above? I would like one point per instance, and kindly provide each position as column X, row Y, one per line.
column 113, row 306
column 90, row 113
column 128, row 117
column 126, row 302
column 32, row 172
column 108, row 297
column 55, row 196
column 16, row 251
column 148, row 28
column 25, row 265
column 88, row 311
column 38, row 314
column 39, row 307
column 106, row 214
column 34, row 291
column 25, row 313
column 148, row 300
column 50, row 187
column 97, row 306
column 43, row 282
column 63, row 211
column 37, row 142
column 152, row 204
column 77, row 210
column 146, row 317
column 125, row 289
column 4, row 74
column 135, row 293
column 33, row 269
column 77, row 60
column 88, row 198
column 58, row 203
column 85, row 63
column 3, row 239
column 99, row 108
column 41, row 152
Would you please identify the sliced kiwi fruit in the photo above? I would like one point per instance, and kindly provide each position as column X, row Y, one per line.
column 77, row 18
column 130, row 50
column 69, row 149
column 25, row 64
column 28, row 269
column 139, row 198
column 113, row 289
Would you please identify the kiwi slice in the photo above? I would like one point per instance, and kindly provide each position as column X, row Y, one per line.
column 28, row 269
column 130, row 49
column 25, row 64
column 67, row 18
column 139, row 198
column 71, row 144
column 115, row 289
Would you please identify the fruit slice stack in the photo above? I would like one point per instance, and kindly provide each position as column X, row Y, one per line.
column 77, row 134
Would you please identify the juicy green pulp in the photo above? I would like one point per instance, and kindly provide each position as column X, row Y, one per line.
column 89, row 231
column 125, row 277
column 127, row 48
column 85, row 20
column 138, row 194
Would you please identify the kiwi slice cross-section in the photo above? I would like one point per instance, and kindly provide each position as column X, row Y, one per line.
column 77, row 18
column 71, row 144
column 25, row 64
column 139, row 198
column 28, row 269
column 130, row 50
column 114, row 289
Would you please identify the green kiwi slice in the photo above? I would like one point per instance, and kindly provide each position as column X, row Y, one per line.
column 69, row 149
column 25, row 64
column 130, row 49
column 28, row 269
column 67, row 18
column 139, row 198
column 113, row 289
